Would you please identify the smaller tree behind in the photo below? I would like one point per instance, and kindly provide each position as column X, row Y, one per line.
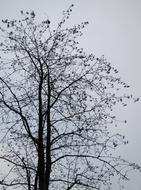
column 56, row 103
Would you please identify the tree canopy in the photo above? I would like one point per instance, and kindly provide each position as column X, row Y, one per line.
column 56, row 105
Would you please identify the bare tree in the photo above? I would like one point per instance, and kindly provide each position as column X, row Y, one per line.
column 56, row 109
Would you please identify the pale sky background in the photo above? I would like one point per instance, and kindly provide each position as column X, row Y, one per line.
column 115, row 31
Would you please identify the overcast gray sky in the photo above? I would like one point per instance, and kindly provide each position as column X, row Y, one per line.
column 115, row 31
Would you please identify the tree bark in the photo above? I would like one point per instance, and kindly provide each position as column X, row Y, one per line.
column 48, row 141
column 41, row 160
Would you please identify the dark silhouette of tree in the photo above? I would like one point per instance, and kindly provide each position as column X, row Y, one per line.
column 55, row 107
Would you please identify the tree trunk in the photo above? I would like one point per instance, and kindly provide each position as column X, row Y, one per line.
column 41, row 159
column 41, row 166
column 48, row 141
